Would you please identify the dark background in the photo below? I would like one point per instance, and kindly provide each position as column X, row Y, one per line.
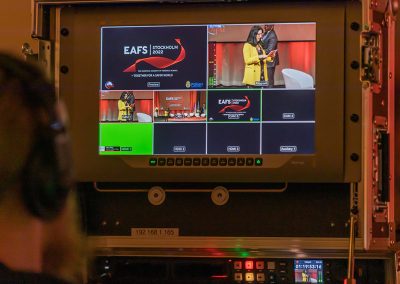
column 299, row 102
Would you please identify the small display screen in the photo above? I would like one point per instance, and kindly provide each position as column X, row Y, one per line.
column 208, row 89
column 308, row 271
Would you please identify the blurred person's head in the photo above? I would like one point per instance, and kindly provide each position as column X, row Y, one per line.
column 38, row 211
column 255, row 35
column 268, row 27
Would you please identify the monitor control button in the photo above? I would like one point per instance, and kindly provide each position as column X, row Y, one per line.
column 232, row 162
column 153, row 162
column 179, row 161
column 214, row 161
column 187, row 161
column 240, row 161
column 196, row 161
column 161, row 161
column 170, row 162
column 205, row 162
column 249, row 161
column 223, row 162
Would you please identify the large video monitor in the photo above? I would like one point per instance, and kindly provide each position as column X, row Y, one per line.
column 205, row 90
column 159, row 95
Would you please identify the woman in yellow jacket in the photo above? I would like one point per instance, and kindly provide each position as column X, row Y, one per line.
column 123, row 108
column 255, row 59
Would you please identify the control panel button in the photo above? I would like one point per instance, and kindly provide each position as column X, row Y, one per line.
column 260, row 277
column 179, row 161
column 259, row 264
column 238, row 276
column 153, row 162
column 214, row 161
column 240, row 161
column 249, row 264
column 258, row 162
column 205, row 162
column 170, row 162
column 249, row 277
column 196, row 161
column 161, row 161
column 249, row 161
column 271, row 265
column 237, row 265
column 187, row 161
column 232, row 162
column 223, row 161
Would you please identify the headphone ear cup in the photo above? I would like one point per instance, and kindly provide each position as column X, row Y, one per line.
column 43, row 193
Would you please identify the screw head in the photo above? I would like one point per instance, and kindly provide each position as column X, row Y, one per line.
column 354, row 157
column 64, row 69
column 354, row 64
column 64, row 32
column 354, row 117
column 355, row 26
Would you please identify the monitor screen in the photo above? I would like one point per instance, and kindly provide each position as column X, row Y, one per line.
column 308, row 271
column 210, row 89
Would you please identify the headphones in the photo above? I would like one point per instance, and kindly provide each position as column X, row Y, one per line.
column 46, row 175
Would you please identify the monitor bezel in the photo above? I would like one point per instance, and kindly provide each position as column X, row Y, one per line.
column 334, row 139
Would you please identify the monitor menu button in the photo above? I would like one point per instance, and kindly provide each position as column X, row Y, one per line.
column 205, row 162
column 188, row 162
column 161, row 161
column 232, row 162
column 240, row 161
column 223, row 162
column 214, row 162
column 170, row 162
column 249, row 161
column 179, row 161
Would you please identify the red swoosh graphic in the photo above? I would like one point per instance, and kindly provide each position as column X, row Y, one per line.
column 158, row 61
column 236, row 107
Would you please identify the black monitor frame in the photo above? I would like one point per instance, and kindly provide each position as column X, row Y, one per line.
column 338, row 91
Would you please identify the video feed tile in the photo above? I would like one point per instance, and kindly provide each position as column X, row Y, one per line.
column 154, row 58
column 175, row 138
column 234, row 105
column 233, row 138
column 288, row 138
column 288, row 105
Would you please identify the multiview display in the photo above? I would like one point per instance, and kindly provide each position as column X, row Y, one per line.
column 208, row 89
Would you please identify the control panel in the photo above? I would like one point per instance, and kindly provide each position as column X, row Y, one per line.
column 206, row 162
column 232, row 270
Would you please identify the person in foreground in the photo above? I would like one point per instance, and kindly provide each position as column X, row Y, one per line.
column 255, row 59
column 40, row 239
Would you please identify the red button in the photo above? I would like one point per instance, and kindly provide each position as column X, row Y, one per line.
column 249, row 264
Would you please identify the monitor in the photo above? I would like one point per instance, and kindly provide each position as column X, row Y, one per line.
column 159, row 94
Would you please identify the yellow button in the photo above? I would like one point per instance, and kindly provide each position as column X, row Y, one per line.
column 249, row 277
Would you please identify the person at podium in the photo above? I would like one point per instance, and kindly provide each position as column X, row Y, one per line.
column 255, row 60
